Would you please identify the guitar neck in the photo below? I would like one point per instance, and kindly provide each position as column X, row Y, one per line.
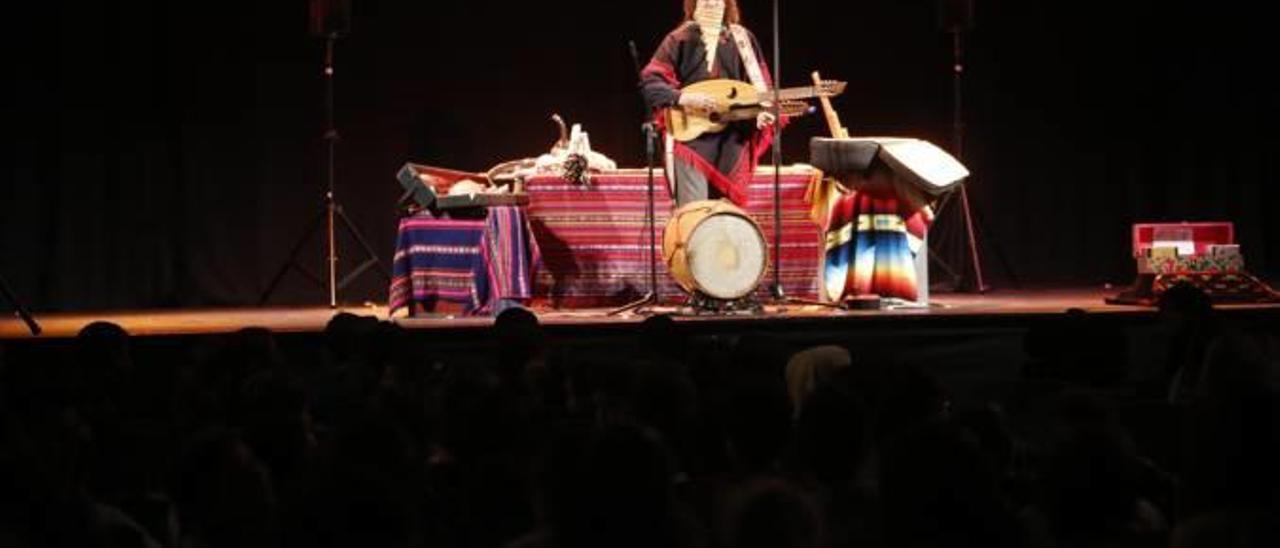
column 793, row 94
column 833, row 119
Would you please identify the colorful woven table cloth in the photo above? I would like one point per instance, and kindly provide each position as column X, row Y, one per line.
column 596, row 250
column 471, row 263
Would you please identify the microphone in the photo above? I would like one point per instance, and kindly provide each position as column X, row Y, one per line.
column 647, row 127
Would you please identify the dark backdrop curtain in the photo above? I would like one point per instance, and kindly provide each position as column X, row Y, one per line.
column 169, row 154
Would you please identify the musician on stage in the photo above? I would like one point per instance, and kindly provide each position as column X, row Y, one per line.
column 710, row 44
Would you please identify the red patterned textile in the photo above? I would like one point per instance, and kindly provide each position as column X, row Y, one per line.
column 595, row 251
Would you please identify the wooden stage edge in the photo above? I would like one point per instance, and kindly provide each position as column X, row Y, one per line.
column 999, row 308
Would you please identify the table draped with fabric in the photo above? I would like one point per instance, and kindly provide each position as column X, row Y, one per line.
column 595, row 251
column 466, row 265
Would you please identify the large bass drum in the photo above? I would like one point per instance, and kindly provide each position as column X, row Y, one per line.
column 713, row 248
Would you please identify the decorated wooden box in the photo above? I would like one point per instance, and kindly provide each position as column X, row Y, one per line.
column 1182, row 248
column 1204, row 255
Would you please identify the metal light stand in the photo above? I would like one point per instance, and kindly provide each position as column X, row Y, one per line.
column 331, row 214
column 22, row 311
column 957, row 139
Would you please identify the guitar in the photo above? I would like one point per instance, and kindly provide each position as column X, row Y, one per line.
column 833, row 120
column 737, row 101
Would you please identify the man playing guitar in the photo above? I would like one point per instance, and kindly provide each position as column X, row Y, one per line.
column 709, row 44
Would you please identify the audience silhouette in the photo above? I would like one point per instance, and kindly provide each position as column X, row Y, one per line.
column 674, row 440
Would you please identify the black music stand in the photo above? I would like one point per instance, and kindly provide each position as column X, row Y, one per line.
column 331, row 213
column 650, row 151
column 27, row 318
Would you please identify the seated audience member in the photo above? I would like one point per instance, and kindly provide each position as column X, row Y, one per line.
column 771, row 513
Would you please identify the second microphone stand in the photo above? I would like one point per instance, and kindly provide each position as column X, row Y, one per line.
column 650, row 152
column 22, row 311
column 651, row 297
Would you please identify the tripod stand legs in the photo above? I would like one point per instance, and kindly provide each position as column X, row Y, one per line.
column 651, row 214
column 371, row 258
column 291, row 262
column 638, row 305
column 970, row 244
column 9, row 297
column 980, row 283
column 330, row 216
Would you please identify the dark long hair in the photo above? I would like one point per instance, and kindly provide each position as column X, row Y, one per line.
column 731, row 14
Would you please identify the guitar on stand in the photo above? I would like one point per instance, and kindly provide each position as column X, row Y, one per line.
column 838, row 131
column 738, row 101
column 930, row 170
column 833, row 119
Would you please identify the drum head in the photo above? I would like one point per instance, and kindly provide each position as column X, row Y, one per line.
column 726, row 256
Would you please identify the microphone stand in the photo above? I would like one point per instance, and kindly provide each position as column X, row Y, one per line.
column 9, row 297
column 776, row 290
column 650, row 135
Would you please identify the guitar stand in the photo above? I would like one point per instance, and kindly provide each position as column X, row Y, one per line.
column 22, row 311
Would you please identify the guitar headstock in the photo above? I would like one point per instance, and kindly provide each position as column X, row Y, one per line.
column 830, row 88
column 792, row 109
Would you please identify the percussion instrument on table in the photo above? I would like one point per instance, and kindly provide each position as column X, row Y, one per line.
column 715, row 249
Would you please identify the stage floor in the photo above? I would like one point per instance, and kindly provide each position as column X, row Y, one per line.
column 1002, row 307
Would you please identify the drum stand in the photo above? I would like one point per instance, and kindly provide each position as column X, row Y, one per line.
column 702, row 304
column 9, row 297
